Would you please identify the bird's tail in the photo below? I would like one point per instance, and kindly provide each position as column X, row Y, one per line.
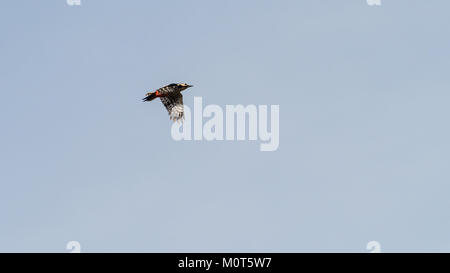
column 150, row 97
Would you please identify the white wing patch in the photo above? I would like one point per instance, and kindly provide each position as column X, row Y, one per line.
column 174, row 105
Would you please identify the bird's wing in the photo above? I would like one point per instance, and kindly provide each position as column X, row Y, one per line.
column 174, row 105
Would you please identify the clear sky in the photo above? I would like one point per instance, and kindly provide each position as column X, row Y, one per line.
column 364, row 138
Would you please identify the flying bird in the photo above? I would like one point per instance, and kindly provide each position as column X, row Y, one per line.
column 170, row 96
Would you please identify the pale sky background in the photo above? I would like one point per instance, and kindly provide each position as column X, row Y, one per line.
column 364, row 97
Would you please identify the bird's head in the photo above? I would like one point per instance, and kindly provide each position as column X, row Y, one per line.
column 183, row 86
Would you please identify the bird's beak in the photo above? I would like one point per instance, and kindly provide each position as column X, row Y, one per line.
column 189, row 85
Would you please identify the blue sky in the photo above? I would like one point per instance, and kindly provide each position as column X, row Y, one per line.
column 363, row 155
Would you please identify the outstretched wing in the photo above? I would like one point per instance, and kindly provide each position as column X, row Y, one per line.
column 174, row 105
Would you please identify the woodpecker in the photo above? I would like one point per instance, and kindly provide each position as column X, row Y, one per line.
column 170, row 96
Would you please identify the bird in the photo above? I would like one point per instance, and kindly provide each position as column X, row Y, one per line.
column 171, row 98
